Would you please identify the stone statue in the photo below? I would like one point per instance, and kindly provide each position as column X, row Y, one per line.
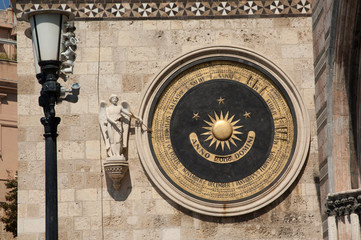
column 114, row 123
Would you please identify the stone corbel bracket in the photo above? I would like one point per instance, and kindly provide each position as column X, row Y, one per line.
column 116, row 170
column 344, row 203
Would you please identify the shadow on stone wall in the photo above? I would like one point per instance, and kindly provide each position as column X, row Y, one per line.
column 123, row 193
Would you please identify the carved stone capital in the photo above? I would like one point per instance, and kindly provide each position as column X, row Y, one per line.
column 344, row 203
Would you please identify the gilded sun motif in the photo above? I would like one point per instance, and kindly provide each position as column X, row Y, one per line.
column 222, row 130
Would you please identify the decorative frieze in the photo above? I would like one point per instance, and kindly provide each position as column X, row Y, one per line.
column 344, row 203
column 177, row 9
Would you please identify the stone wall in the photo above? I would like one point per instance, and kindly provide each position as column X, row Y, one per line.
column 336, row 59
column 122, row 57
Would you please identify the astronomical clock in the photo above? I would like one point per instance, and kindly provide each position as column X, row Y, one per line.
column 229, row 132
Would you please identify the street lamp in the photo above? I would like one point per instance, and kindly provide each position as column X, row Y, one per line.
column 54, row 46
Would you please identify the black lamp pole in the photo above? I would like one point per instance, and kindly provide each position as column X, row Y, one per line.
column 49, row 95
column 51, row 47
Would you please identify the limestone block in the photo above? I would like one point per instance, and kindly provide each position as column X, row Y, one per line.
column 130, row 38
column 308, row 97
column 36, row 196
column 89, row 194
column 87, row 83
column 70, row 120
column 170, row 53
column 36, row 167
column 66, row 195
column 176, row 25
column 108, row 37
column 75, row 208
column 23, row 102
column 131, row 83
column 22, row 40
column 23, row 196
column 106, row 68
column 171, row 233
column 142, row 53
column 22, row 210
column 26, row 85
column 143, row 207
column 163, row 207
column 81, row 223
column 93, row 108
column 73, row 150
column 216, row 24
column 79, row 68
column 62, row 209
column 307, row 80
column 144, row 234
column 93, row 67
column 121, row 208
column 77, row 133
column 224, row 37
column 116, row 234
column 92, row 179
column 92, row 235
column 114, row 222
column 70, row 180
column 109, row 83
column 35, row 109
column 34, row 225
column 27, row 151
column 92, row 149
column 119, row 54
column 91, row 208
column 287, row 36
column 132, row 220
column 150, row 25
column 89, row 54
column 191, row 24
column 91, row 120
column 64, row 224
column 297, row 51
column 26, row 68
column 136, row 67
column 65, row 166
column 35, row 134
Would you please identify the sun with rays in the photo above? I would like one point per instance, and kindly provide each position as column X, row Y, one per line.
column 222, row 130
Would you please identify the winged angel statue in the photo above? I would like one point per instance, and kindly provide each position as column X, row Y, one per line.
column 114, row 123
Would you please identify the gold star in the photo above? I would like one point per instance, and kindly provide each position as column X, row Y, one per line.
column 196, row 116
column 247, row 115
column 220, row 100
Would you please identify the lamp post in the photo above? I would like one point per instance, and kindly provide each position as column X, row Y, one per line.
column 54, row 44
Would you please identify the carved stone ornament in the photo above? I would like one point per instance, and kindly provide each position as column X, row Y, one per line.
column 116, row 170
column 344, row 203
column 114, row 121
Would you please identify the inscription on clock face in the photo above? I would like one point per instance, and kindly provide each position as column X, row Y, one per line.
column 223, row 131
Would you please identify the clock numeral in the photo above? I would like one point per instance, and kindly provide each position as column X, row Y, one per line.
column 281, row 133
column 263, row 90
column 252, row 82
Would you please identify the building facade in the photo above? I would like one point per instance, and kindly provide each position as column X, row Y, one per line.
column 8, row 107
column 140, row 51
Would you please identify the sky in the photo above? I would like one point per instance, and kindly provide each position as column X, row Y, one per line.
column 4, row 4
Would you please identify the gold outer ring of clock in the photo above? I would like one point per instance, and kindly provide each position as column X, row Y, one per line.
column 222, row 132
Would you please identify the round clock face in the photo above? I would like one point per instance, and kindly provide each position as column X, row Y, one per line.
column 224, row 134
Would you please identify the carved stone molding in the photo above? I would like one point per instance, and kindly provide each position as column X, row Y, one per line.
column 138, row 10
column 344, row 203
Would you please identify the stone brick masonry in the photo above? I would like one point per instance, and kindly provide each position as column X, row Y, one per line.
column 122, row 57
